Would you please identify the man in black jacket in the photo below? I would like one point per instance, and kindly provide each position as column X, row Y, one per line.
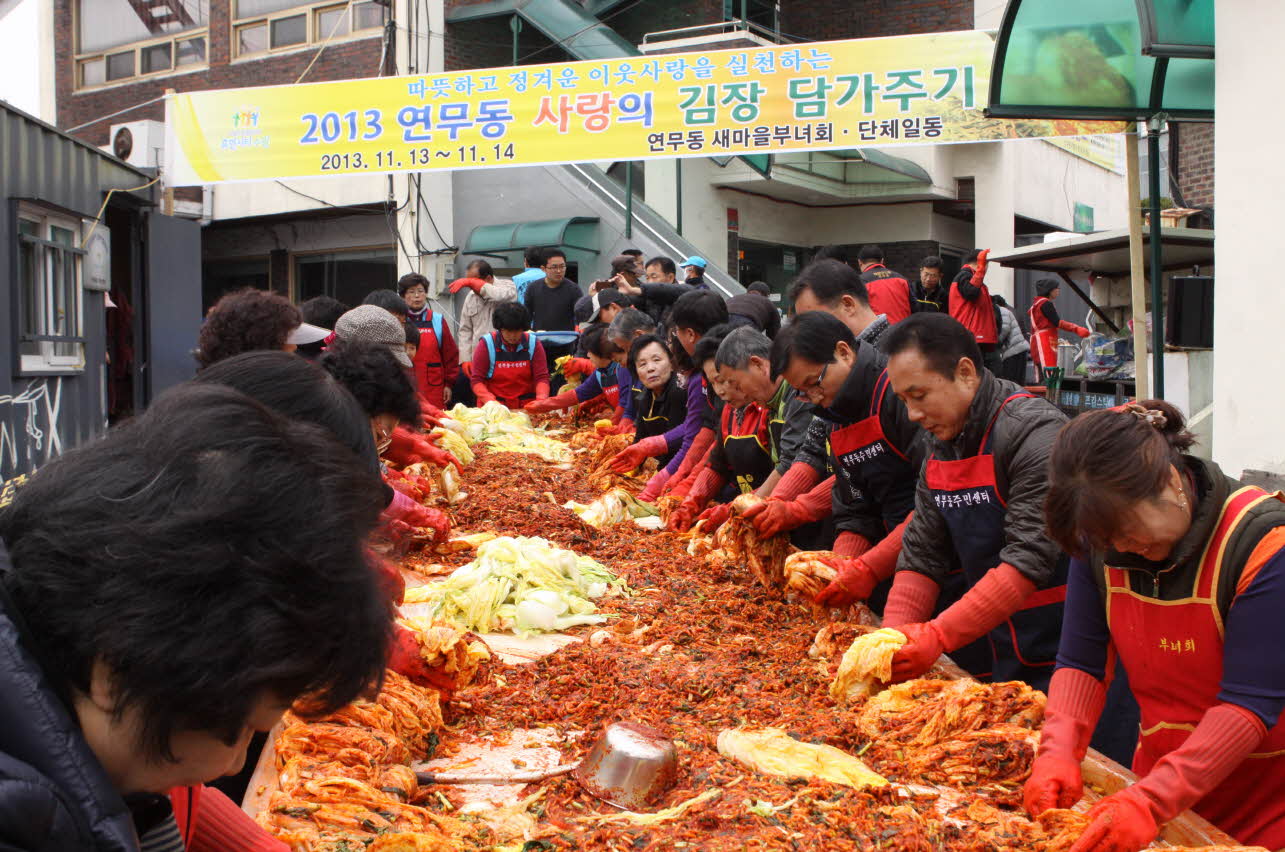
column 929, row 294
column 979, row 507
column 166, row 592
column 753, row 307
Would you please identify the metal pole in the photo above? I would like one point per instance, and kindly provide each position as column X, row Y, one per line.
column 629, row 200
column 678, row 196
column 1137, row 269
column 515, row 24
column 1154, row 125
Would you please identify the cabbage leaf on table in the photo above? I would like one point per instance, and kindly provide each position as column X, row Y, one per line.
column 521, row 584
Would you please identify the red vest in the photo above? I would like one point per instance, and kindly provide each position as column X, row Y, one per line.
column 978, row 316
column 1173, row 653
column 430, row 376
column 511, row 377
column 1043, row 336
column 889, row 292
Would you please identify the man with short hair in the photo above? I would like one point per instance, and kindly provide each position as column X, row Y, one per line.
column 969, row 302
column 743, row 361
column 979, row 507
column 889, row 292
column 661, row 270
column 533, row 257
column 836, row 288
column 485, row 292
column 753, row 307
column 552, row 305
column 928, row 294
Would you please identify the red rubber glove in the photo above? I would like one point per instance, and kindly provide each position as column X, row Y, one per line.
column 776, row 516
column 635, row 454
column 474, row 284
column 911, row 600
column 715, row 516
column 407, row 448
column 541, row 390
column 684, row 487
column 1129, row 820
column 566, row 399
column 654, row 486
column 624, row 427
column 404, row 657
column 996, row 596
column 578, row 367
column 917, row 656
column 483, row 394
column 388, row 575
column 1120, row 823
column 1067, row 325
column 854, row 582
column 851, row 544
column 799, row 478
column 415, row 514
column 695, row 456
column 682, row 518
column 979, row 271
column 1075, row 702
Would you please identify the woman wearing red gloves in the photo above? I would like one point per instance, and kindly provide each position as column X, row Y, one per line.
column 661, row 410
column 1181, row 574
column 741, row 449
column 1045, row 324
column 602, row 376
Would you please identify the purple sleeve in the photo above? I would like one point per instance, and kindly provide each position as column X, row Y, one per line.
column 681, row 436
column 590, row 388
column 626, row 383
column 1253, row 667
column 1085, row 634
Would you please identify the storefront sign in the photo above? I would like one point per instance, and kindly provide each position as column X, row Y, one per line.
column 881, row 92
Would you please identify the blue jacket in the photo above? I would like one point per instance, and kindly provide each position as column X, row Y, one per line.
column 54, row 794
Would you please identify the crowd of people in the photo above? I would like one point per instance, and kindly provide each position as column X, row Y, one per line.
column 166, row 592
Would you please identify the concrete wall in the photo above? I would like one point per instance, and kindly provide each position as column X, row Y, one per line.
column 27, row 43
column 1249, row 410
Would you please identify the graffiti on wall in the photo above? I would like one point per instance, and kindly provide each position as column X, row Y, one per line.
column 29, row 426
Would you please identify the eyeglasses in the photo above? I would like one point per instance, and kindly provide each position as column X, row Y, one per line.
column 556, row 268
column 815, row 384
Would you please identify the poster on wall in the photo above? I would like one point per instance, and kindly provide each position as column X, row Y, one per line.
column 883, row 92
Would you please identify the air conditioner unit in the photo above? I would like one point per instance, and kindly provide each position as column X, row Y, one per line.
column 139, row 143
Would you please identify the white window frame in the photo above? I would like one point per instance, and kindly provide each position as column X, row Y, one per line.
column 47, row 360
column 315, row 35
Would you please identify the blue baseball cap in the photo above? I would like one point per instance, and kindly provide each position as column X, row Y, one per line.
column 698, row 262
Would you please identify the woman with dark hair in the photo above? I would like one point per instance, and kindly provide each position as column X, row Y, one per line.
column 509, row 364
column 602, row 384
column 383, row 390
column 661, row 410
column 1179, row 572
column 124, row 676
column 250, row 320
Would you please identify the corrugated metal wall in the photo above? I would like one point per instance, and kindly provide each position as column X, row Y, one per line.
column 41, row 416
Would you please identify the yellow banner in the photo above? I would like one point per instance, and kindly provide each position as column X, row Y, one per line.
column 882, row 92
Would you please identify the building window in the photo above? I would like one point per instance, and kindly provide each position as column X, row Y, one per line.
column 267, row 25
column 123, row 39
column 49, row 318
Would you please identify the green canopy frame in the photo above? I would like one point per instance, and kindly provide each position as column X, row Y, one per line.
column 1132, row 60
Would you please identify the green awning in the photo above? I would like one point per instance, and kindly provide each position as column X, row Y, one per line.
column 1104, row 59
column 855, row 166
column 575, row 233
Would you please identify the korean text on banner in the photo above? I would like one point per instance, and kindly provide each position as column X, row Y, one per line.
column 822, row 95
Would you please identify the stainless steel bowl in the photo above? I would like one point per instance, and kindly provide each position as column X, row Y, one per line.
column 630, row 766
